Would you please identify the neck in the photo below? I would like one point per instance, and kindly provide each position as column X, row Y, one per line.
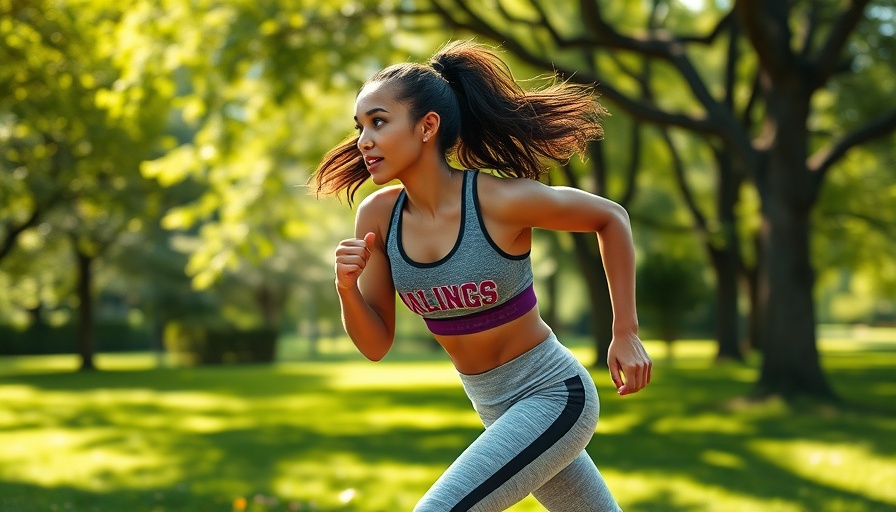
column 432, row 187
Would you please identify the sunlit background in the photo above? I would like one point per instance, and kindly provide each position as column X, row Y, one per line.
column 157, row 233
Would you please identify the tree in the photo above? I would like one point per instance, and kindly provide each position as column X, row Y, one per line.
column 75, row 154
column 773, row 78
column 256, row 87
column 670, row 289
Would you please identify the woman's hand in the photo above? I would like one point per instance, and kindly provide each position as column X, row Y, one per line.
column 627, row 358
column 351, row 258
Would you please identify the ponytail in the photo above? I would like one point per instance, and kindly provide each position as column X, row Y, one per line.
column 507, row 129
column 487, row 120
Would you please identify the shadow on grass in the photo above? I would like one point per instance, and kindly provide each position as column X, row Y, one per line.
column 194, row 439
column 695, row 425
column 24, row 497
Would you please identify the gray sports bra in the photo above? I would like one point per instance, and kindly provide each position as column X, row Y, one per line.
column 475, row 287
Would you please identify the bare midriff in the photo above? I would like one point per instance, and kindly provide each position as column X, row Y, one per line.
column 482, row 351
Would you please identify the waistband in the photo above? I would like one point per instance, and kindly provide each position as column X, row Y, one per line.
column 484, row 320
column 547, row 363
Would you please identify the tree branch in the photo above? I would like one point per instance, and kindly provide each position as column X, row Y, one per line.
column 13, row 232
column 883, row 226
column 825, row 158
column 766, row 25
column 827, row 60
column 731, row 65
column 638, row 109
column 678, row 168
column 717, row 120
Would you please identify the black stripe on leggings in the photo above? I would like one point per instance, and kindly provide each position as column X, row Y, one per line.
column 575, row 403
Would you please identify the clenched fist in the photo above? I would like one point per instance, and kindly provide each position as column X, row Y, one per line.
column 351, row 258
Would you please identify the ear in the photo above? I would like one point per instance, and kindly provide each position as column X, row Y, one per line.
column 429, row 126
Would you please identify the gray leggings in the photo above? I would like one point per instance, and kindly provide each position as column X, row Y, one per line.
column 540, row 410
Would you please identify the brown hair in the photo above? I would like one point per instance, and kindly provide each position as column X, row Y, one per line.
column 487, row 119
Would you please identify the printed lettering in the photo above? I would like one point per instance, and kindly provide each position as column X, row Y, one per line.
column 452, row 296
column 488, row 290
column 412, row 303
column 423, row 299
column 442, row 306
column 470, row 295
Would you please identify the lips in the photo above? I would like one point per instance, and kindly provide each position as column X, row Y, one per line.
column 372, row 162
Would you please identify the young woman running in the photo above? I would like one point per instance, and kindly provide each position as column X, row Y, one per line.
column 454, row 244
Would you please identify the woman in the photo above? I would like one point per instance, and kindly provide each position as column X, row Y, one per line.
column 455, row 246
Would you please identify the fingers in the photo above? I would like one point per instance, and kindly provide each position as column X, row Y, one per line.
column 352, row 256
column 637, row 376
column 630, row 367
column 615, row 375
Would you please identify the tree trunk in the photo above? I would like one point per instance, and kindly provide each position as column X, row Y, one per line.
column 722, row 245
column 791, row 365
column 751, row 276
column 85, row 340
column 725, row 263
column 725, row 256
column 587, row 252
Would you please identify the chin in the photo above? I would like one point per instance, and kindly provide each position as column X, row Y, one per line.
column 379, row 179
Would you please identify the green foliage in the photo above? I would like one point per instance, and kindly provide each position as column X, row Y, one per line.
column 39, row 338
column 70, row 163
column 255, row 88
column 173, row 142
column 196, row 344
column 854, row 240
column 672, row 294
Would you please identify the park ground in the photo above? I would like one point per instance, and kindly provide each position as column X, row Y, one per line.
column 341, row 434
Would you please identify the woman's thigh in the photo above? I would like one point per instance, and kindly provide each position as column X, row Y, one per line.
column 519, row 451
column 579, row 487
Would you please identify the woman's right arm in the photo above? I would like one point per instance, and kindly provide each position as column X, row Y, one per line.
column 364, row 280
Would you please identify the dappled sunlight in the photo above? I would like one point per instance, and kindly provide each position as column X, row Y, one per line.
column 389, row 376
column 88, row 458
column 416, row 417
column 367, row 437
column 830, row 464
column 672, row 493
column 374, row 485
column 618, row 422
column 708, row 423
column 722, row 459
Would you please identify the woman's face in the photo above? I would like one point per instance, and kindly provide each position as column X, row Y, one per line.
column 386, row 133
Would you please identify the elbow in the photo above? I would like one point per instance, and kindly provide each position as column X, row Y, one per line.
column 376, row 352
column 622, row 214
column 376, row 357
column 615, row 216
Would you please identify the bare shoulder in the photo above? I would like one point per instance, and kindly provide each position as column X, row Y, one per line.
column 382, row 199
column 520, row 202
column 375, row 211
column 508, row 195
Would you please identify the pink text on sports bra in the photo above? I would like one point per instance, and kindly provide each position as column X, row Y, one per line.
column 450, row 297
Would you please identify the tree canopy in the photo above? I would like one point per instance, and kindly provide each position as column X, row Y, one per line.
column 179, row 139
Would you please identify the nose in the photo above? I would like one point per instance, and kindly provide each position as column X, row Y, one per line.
column 364, row 142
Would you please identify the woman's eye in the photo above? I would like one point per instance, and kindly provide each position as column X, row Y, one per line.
column 376, row 123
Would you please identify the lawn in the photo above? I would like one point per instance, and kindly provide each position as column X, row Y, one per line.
column 342, row 434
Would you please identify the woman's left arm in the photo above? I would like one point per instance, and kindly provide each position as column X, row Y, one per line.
column 530, row 204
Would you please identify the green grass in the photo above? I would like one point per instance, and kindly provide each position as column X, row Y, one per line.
column 342, row 434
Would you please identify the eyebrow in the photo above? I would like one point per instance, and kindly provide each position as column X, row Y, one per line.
column 373, row 111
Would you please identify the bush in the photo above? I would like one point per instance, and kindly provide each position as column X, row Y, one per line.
column 42, row 339
column 195, row 345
